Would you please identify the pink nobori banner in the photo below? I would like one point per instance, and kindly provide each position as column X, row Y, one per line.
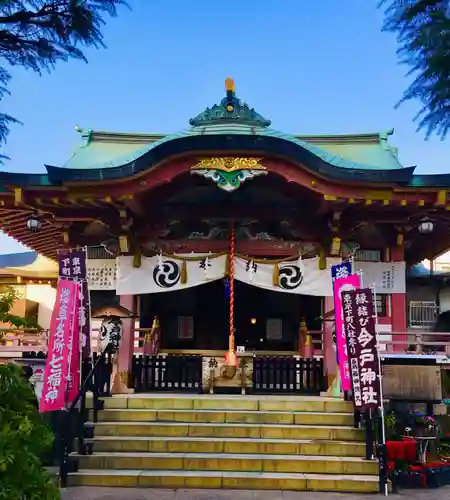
column 57, row 365
column 345, row 284
column 73, row 380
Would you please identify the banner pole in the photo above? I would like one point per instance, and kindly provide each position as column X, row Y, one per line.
column 86, row 353
column 381, row 458
column 79, row 284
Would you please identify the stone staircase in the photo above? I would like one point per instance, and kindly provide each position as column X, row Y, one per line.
column 242, row 442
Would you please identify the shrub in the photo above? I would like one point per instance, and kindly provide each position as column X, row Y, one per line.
column 24, row 438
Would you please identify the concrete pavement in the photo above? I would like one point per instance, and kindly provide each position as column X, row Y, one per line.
column 83, row 493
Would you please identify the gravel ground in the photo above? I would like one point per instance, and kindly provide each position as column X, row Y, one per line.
column 83, row 493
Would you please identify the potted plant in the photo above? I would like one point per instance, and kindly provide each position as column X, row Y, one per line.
column 424, row 425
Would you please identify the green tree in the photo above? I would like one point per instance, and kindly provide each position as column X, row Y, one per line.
column 422, row 28
column 9, row 295
column 37, row 34
column 24, row 438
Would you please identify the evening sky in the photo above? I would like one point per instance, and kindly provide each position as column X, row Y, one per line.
column 312, row 67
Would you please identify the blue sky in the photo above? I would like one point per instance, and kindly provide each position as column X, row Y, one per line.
column 311, row 67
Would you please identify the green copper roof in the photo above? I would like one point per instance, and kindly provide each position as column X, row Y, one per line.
column 100, row 150
column 371, row 155
column 106, row 150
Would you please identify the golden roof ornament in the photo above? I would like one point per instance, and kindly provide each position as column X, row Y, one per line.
column 230, row 110
column 229, row 85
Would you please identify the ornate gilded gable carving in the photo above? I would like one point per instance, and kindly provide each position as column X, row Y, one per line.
column 229, row 172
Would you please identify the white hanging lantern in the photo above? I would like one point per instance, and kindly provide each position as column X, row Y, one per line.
column 111, row 333
column 33, row 224
column 425, row 226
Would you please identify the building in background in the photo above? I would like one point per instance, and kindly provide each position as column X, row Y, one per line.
column 34, row 277
column 428, row 295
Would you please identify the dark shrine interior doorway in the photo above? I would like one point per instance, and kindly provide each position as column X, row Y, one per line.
column 198, row 318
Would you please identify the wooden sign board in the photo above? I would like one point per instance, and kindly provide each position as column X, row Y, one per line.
column 217, row 368
column 185, row 327
column 412, row 382
column 274, row 329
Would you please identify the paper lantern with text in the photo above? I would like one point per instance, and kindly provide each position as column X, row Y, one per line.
column 111, row 333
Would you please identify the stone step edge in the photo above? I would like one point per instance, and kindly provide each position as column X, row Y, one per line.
column 240, row 412
column 132, row 423
column 225, row 480
column 226, row 456
column 253, row 401
column 251, row 475
column 227, row 406
column 224, row 397
column 194, row 439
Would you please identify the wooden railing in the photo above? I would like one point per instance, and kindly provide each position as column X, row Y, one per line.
column 13, row 342
column 415, row 342
column 167, row 373
column 287, row 375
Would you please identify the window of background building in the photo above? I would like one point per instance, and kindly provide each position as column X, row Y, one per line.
column 381, row 305
column 368, row 255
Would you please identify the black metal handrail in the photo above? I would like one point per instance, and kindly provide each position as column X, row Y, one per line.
column 76, row 415
column 375, row 448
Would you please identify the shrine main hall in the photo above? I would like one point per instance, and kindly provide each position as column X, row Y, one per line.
column 226, row 231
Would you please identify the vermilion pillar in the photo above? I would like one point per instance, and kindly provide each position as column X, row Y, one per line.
column 398, row 304
column 126, row 346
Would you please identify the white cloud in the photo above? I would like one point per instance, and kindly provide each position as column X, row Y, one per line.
column 10, row 245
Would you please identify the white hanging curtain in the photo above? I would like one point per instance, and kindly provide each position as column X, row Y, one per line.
column 168, row 273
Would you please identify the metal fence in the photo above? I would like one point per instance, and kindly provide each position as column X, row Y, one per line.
column 422, row 314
